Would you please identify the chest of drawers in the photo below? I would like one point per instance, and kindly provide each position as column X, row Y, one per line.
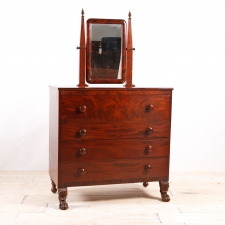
column 109, row 136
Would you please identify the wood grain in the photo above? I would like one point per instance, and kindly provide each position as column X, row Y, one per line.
column 109, row 136
column 114, row 169
column 96, row 131
column 117, row 107
column 112, row 149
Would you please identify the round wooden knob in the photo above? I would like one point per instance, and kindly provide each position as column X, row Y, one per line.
column 82, row 108
column 147, row 167
column 82, row 132
column 82, row 151
column 148, row 148
column 149, row 130
column 149, row 108
column 81, row 171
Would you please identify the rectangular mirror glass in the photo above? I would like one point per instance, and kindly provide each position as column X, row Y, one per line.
column 106, row 51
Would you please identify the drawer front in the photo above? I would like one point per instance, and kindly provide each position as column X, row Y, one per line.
column 112, row 149
column 103, row 108
column 72, row 131
column 113, row 170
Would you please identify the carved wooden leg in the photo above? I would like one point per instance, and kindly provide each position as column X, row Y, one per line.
column 62, row 192
column 54, row 189
column 164, row 186
column 145, row 184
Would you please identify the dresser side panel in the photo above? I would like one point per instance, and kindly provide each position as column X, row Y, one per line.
column 170, row 130
column 53, row 133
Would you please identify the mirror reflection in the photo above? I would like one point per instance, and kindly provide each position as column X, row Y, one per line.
column 106, row 51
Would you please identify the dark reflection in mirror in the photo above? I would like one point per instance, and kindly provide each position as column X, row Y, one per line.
column 106, row 51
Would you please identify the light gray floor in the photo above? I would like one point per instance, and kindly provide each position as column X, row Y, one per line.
column 196, row 198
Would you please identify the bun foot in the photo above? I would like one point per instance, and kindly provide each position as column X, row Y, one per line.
column 145, row 184
column 63, row 205
column 165, row 197
column 62, row 192
column 164, row 186
column 53, row 189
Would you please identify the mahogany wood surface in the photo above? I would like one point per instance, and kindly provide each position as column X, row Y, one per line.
column 129, row 54
column 114, row 169
column 86, row 131
column 82, row 48
column 53, row 189
column 71, row 91
column 164, row 186
column 112, row 149
column 124, row 106
column 62, row 193
column 109, row 136
column 145, row 184
column 116, row 181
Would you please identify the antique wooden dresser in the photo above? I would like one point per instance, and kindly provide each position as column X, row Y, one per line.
column 109, row 136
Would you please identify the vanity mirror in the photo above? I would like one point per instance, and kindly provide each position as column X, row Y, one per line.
column 106, row 54
column 106, row 51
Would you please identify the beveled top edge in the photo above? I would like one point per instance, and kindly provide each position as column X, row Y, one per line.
column 66, row 88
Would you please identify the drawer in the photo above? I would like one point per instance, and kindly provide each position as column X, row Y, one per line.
column 114, row 107
column 113, row 170
column 112, row 149
column 72, row 131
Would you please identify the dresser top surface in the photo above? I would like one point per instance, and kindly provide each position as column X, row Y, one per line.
column 67, row 88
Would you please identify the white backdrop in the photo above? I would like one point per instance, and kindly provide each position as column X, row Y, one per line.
column 179, row 44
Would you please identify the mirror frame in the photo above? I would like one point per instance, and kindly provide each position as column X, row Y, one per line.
column 91, row 80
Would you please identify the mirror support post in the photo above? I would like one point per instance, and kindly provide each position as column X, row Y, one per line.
column 82, row 49
column 129, row 55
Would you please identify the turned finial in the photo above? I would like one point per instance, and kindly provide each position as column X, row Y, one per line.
column 129, row 14
column 82, row 47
